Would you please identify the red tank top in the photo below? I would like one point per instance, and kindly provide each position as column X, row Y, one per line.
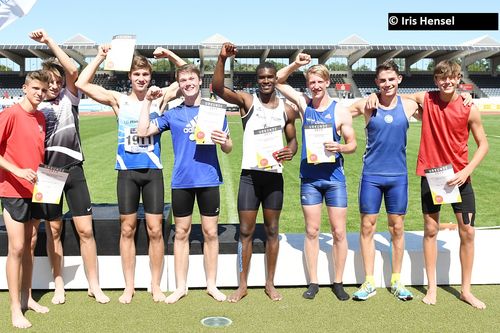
column 445, row 133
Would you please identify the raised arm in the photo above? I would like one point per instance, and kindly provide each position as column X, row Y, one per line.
column 145, row 127
column 70, row 70
column 243, row 100
column 477, row 129
column 170, row 92
column 289, row 92
column 94, row 91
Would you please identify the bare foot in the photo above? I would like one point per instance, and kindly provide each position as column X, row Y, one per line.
column 216, row 294
column 19, row 320
column 430, row 297
column 99, row 296
column 176, row 295
column 472, row 300
column 33, row 305
column 126, row 297
column 59, row 296
column 158, row 295
column 238, row 295
column 273, row 293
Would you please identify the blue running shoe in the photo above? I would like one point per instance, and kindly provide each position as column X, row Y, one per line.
column 364, row 292
column 399, row 290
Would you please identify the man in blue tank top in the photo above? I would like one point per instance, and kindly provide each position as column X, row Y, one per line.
column 384, row 175
column 322, row 181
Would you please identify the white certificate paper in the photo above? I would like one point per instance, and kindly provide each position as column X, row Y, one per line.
column 268, row 141
column 441, row 192
column 49, row 185
column 316, row 135
column 119, row 57
column 210, row 117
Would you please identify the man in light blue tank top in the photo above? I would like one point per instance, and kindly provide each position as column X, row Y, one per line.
column 384, row 174
column 322, row 181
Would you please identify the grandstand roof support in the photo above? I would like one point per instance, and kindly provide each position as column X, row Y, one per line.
column 78, row 57
column 416, row 57
column 40, row 54
column 451, row 55
column 355, row 56
column 264, row 55
column 495, row 62
column 473, row 57
column 294, row 55
column 387, row 56
column 15, row 58
column 326, row 56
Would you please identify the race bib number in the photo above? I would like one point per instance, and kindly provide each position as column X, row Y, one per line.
column 137, row 144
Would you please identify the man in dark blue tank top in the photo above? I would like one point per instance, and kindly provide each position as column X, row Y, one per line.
column 384, row 174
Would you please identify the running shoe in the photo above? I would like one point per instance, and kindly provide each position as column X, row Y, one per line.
column 364, row 292
column 399, row 290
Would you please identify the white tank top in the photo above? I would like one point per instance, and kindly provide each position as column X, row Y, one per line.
column 260, row 117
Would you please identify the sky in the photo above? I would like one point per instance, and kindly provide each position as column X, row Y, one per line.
column 168, row 22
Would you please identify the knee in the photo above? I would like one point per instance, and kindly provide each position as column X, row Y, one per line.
column 155, row 234
column 272, row 232
column 397, row 231
column 86, row 234
column 182, row 234
column 467, row 234
column 246, row 231
column 210, row 235
column 312, row 232
column 127, row 231
column 16, row 249
column 339, row 235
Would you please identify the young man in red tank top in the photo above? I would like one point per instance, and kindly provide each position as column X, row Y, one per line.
column 444, row 116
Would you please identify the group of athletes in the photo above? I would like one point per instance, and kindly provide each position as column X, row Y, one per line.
column 44, row 128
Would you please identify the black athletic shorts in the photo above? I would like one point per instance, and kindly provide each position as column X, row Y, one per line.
column 130, row 185
column 468, row 204
column 208, row 199
column 77, row 195
column 258, row 187
column 18, row 208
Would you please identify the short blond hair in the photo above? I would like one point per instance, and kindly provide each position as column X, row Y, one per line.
column 187, row 68
column 41, row 75
column 320, row 70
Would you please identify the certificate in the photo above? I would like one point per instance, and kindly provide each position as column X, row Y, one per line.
column 267, row 141
column 316, row 136
column 119, row 57
column 49, row 185
column 210, row 118
column 441, row 192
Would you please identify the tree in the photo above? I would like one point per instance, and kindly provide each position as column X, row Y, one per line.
column 4, row 68
column 482, row 65
column 337, row 66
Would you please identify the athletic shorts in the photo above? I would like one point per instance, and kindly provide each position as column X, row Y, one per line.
column 468, row 204
column 77, row 195
column 258, row 187
column 130, row 185
column 208, row 199
column 393, row 189
column 18, row 208
column 312, row 192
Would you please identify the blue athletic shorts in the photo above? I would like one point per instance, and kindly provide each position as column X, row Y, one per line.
column 393, row 188
column 312, row 192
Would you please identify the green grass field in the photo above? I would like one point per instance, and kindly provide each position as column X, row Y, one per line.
column 256, row 313
column 99, row 140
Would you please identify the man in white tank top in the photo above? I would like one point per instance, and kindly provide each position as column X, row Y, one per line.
column 263, row 115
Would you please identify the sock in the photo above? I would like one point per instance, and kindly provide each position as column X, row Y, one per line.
column 395, row 277
column 338, row 290
column 311, row 292
column 371, row 280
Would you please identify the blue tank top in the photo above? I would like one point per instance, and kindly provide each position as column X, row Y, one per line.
column 325, row 171
column 385, row 153
column 134, row 152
